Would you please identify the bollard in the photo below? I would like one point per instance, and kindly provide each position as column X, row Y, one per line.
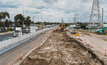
column 105, row 52
column 32, row 46
column 21, row 55
column 92, row 45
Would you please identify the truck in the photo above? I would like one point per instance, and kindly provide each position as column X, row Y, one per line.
column 18, row 31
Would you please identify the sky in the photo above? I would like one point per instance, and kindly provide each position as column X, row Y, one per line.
column 52, row 10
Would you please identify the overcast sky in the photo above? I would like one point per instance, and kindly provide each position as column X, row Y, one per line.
column 52, row 10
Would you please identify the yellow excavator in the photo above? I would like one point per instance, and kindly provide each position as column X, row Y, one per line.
column 63, row 26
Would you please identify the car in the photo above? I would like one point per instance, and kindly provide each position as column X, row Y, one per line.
column 42, row 32
column 7, row 38
column 26, row 31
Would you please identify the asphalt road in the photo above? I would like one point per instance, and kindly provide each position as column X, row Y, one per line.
column 11, row 55
column 6, row 35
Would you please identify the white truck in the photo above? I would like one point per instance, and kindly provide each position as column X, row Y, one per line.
column 18, row 31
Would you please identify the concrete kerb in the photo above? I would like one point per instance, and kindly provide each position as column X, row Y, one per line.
column 24, row 57
column 6, row 33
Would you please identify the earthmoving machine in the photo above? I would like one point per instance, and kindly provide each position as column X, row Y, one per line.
column 63, row 26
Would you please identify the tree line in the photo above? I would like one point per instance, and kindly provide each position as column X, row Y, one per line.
column 19, row 19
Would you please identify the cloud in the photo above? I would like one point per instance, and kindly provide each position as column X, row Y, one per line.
column 51, row 10
column 50, row 1
column 7, row 5
column 41, row 7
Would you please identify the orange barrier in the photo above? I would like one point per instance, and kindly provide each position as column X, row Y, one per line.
column 105, row 52
column 21, row 55
column 92, row 45
column 32, row 46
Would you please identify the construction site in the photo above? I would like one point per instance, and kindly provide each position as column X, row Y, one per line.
column 61, row 49
column 69, row 46
column 53, row 32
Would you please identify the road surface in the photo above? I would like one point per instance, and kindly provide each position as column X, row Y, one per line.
column 13, row 54
column 6, row 35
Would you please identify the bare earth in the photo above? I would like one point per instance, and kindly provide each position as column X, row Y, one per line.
column 59, row 49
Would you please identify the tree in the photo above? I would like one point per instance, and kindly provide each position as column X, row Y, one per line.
column 8, row 23
column 83, row 26
column 1, row 24
column 4, row 15
column 28, row 17
column 27, row 21
column 1, row 16
column 19, row 19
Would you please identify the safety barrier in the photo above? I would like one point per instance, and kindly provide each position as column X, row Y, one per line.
column 11, row 43
column 20, row 57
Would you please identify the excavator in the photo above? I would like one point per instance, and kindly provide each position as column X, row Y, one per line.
column 63, row 26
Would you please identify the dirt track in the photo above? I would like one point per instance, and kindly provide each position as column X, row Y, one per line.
column 59, row 49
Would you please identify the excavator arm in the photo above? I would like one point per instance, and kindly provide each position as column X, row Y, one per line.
column 63, row 26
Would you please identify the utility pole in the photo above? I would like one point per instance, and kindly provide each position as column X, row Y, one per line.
column 102, row 19
column 23, row 16
column 62, row 21
column 75, row 19
column 70, row 21
column 95, row 13
column 33, row 20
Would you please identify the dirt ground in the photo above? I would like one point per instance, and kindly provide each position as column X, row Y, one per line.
column 59, row 49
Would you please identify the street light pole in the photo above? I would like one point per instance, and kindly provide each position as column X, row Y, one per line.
column 23, row 16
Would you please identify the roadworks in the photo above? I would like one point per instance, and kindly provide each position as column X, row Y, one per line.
column 60, row 49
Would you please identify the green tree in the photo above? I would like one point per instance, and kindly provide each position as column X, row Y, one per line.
column 4, row 15
column 27, row 21
column 19, row 19
column 1, row 16
column 83, row 26
column 1, row 24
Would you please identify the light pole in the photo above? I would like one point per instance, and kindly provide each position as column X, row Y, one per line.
column 23, row 20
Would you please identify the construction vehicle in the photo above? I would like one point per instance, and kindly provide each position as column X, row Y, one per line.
column 104, row 29
column 63, row 26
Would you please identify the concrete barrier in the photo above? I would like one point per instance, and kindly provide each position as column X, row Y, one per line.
column 11, row 43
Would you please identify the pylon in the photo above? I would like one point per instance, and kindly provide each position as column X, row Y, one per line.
column 92, row 45
column 95, row 14
column 21, row 55
column 105, row 52
column 32, row 46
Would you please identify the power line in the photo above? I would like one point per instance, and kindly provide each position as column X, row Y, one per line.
column 82, row 9
column 89, row 10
